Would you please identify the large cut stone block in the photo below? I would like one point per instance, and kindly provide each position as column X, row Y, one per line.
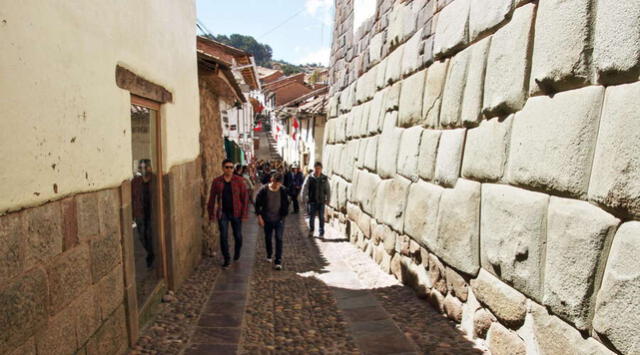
column 433, row 88
column 45, row 236
column 393, row 72
column 60, row 335
column 408, row 153
column 365, row 187
column 421, row 216
column 353, row 118
column 507, row 304
column 87, row 215
column 388, row 146
column 452, row 29
column 371, row 153
column 111, row 338
column 23, row 308
column 87, row 313
column 109, row 212
column 615, row 178
column 110, row 291
column 474, row 88
column 548, row 335
column 454, row 89
column 391, row 100
column 411, row 59
column 513, row 229
column 618, row 305
column 381, row 75
column 375, row 113
column 375, row 47
column 502, row 341
column 428, row 153
column 577, row 239
column 616, row 51
column 395, row 201
column 12, row 230
column 69, row 274
column 457, row 240
column 505, row 89
column 410, row 110
column 485, row 150
column 485, row 15
column 449, row 156
column 553, row 140
column 105, row 255
column 562, row 46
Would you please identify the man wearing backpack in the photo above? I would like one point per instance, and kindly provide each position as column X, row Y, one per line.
column 316, row 193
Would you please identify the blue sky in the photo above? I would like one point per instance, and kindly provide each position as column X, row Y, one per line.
column 303, row 39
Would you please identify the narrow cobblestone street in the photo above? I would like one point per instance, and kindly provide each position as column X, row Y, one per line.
column 330, row 298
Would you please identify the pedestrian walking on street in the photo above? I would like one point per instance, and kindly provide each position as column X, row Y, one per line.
column 272, row 206
column 294, row 182
column 228, row 204
column 316, row 193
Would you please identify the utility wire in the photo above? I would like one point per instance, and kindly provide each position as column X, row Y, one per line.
column 282, row 23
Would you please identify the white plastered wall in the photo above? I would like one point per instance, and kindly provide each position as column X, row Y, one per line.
column 63, row 119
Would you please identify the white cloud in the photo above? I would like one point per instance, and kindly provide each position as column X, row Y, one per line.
column 320, row 9
column 316, row 56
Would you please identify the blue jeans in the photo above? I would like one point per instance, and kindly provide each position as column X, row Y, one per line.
column 316, row 209
column 269, row 229
column 236, row 225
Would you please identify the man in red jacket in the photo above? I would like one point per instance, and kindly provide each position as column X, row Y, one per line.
column 228, row 204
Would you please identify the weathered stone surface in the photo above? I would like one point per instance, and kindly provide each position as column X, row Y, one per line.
column 505, row 86
column 59, row 337
column 616, row 51
column 411, row 59
column 28, row 348
column 365, row 187
column 408, row 153
column 105, row 255
column 110, row 291
column 341, row 128
column 353, row 121
column 44, row 234
column 23, row 308
column 454, row 89
column 391, row 100
column 422, row 212
column 458, row 227
column 388, row 146
column 87, row 214
column 393, row 204
column 375, row 113
column 469, row 309
column 577, row 237
column 618, row 306
column 111, row 338
column 502, row 341
column 410, row 110
column 449, row 157
column 87, row 314
column 437, row 274
column 109, row 212
column 453, row 308
column 482, row 321
column 69, row 274
column 393, row 72
column 507, row 304
column 552, row 141
column 371, row 153
column 436, row 299
column 615, row 178
column 456, row 284
column 12, row 230
column 381, row 75
column 513, row 229
column 428, row 154
column 452, row 28
column 561, row 49
column 433, row 93
column 485, row 15
column 375, row 47
column 485, row 150
column 474, row 88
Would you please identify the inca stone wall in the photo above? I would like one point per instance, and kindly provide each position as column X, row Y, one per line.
column 487, row 153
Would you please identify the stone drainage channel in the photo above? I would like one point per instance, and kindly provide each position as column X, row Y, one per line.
column 330, row 298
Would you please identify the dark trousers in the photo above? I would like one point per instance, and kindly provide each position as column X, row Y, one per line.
column 316, row 209
column 236, row 225
column 271, row 228
column 145, row 234
column 294, row 200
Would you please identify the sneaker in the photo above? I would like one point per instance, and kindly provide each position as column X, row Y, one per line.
column 236, row 257
column 226, row 265
column 269, row 260
column 310, row 234
column 278, row 267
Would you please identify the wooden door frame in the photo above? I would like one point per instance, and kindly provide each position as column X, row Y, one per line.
column 154, row 105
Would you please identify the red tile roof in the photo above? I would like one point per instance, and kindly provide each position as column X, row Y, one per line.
column 232, row 56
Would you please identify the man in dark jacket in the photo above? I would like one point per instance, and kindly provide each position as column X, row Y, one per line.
column 228, row 204
column 293, row 183
column 272, row 206
column 316, row 192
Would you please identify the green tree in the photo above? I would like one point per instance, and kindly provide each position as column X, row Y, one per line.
column 261, row 52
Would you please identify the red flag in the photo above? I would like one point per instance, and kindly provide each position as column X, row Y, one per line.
column 295, row 123
column 258, row 127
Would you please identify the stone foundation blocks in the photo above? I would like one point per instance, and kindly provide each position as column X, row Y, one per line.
column 507, row 304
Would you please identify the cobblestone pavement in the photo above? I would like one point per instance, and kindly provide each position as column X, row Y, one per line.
column 330, row 299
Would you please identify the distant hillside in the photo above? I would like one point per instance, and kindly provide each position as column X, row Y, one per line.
column 262, row 53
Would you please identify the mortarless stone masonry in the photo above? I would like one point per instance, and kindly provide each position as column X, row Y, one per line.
column 515, row 214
